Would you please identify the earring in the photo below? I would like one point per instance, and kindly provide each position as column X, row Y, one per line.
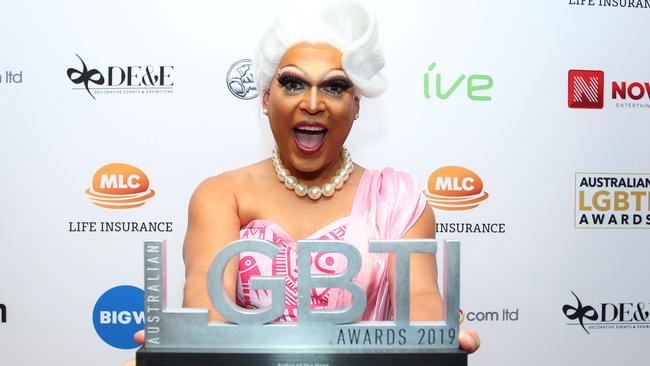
column 356, row 117
column 265, row 111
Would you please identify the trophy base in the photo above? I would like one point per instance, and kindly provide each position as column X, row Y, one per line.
column 200, row 357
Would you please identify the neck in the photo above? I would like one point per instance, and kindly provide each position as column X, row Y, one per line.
column 316, row 190
column 320, row 176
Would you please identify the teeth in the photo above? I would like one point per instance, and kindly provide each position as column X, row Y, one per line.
column 310, row 128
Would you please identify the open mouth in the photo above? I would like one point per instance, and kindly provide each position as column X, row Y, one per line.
column 309, row 136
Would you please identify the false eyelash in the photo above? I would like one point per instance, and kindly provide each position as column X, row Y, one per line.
column 285, row 79
column 342, row 83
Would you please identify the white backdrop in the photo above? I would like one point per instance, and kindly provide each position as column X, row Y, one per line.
column 528, row 147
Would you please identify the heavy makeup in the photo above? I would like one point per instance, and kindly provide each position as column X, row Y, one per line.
column 311, row 107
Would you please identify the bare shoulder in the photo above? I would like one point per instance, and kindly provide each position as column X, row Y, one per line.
column 226, row 185
column 424, row 227
column 213, row 215
column 214, row 221
column 213, row 187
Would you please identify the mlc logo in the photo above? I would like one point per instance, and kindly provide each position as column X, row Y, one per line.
column 120, row 185
column 455, row 188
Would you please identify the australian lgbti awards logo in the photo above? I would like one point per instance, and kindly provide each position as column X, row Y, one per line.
column 612, row 201
column 120, row 186
column 607, row 315
column 118, row 314
column 123, row 79
column 456, row 188
column 587, row 90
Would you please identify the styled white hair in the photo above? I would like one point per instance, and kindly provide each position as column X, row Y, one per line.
column 345, row 25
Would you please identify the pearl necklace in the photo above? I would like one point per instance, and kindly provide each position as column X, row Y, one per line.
column 315, row 192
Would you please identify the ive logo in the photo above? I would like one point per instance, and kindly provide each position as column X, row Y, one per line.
column 475, row 84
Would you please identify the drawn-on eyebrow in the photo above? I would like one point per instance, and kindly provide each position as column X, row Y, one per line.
column 307, row 74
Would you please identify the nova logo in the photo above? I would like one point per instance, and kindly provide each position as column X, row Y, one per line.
column 477, row 86
column 118, row 314
column 635, row 90
column 120, row 185
column 455, row 188
column 586, row 89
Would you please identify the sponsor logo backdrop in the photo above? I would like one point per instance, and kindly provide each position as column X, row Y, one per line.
column 525, row 122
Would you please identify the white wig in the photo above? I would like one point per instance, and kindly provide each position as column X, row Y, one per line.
column 345, row 25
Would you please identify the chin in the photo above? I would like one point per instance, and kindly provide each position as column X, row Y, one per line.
column 308, row 165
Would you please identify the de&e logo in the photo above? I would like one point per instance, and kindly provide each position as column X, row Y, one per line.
column 118, row 314
column 119, row 186
column 124, row 79
column 608, row 315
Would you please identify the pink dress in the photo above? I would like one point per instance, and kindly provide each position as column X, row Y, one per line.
column 387, row 203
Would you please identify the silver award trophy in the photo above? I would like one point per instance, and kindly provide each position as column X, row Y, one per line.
column 319, row 337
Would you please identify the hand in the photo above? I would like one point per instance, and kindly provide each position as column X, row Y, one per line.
column 139, row 338
column 469, row 340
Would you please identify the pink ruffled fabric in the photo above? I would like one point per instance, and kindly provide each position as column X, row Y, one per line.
column 386, row 206
column 285, row 265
